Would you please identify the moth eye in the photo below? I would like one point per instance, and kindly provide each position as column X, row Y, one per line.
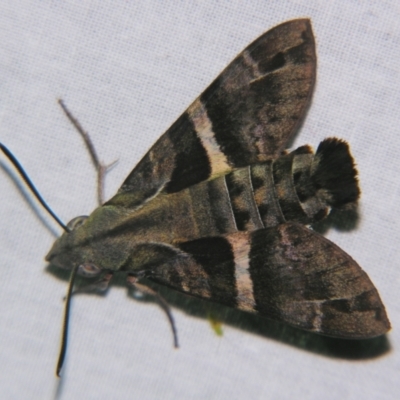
column 76, row 222
column 88, row 270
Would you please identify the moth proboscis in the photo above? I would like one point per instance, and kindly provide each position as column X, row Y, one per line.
column 217, row 209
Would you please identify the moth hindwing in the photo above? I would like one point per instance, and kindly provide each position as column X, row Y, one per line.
column 217, row 209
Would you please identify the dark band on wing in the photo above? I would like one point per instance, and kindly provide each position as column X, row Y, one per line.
column 216, row 257
column 192, row 164
column 266, row 285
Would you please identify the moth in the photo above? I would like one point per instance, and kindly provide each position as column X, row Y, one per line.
column 219, row 210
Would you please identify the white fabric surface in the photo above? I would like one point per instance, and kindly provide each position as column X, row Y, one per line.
column 127, row 70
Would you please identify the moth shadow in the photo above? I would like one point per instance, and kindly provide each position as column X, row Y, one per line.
column 270, row 329
column 342, row 220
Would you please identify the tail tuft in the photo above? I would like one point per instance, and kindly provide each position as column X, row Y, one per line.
column 334, row 174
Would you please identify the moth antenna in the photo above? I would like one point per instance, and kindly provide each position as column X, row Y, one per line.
column 100, row 168
column 132, row 281
column 64, row 338
column 31, row 186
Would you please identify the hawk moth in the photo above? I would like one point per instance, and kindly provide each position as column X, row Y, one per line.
column 217, row 209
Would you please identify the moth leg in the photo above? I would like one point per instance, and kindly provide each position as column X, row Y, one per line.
column 101, row 169
column 100, row 285
column 132, row 281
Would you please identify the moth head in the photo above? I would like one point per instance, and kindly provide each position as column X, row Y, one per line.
column 66, row 254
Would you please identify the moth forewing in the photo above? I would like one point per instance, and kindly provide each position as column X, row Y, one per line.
column 217, row 210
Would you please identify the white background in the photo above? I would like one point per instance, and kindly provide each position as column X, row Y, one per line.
column 127, row 70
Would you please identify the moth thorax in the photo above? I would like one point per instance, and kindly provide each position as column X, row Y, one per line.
column 308, row 185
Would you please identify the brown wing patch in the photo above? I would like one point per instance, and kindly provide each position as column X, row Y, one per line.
column 244, row 117
column 303, row 279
